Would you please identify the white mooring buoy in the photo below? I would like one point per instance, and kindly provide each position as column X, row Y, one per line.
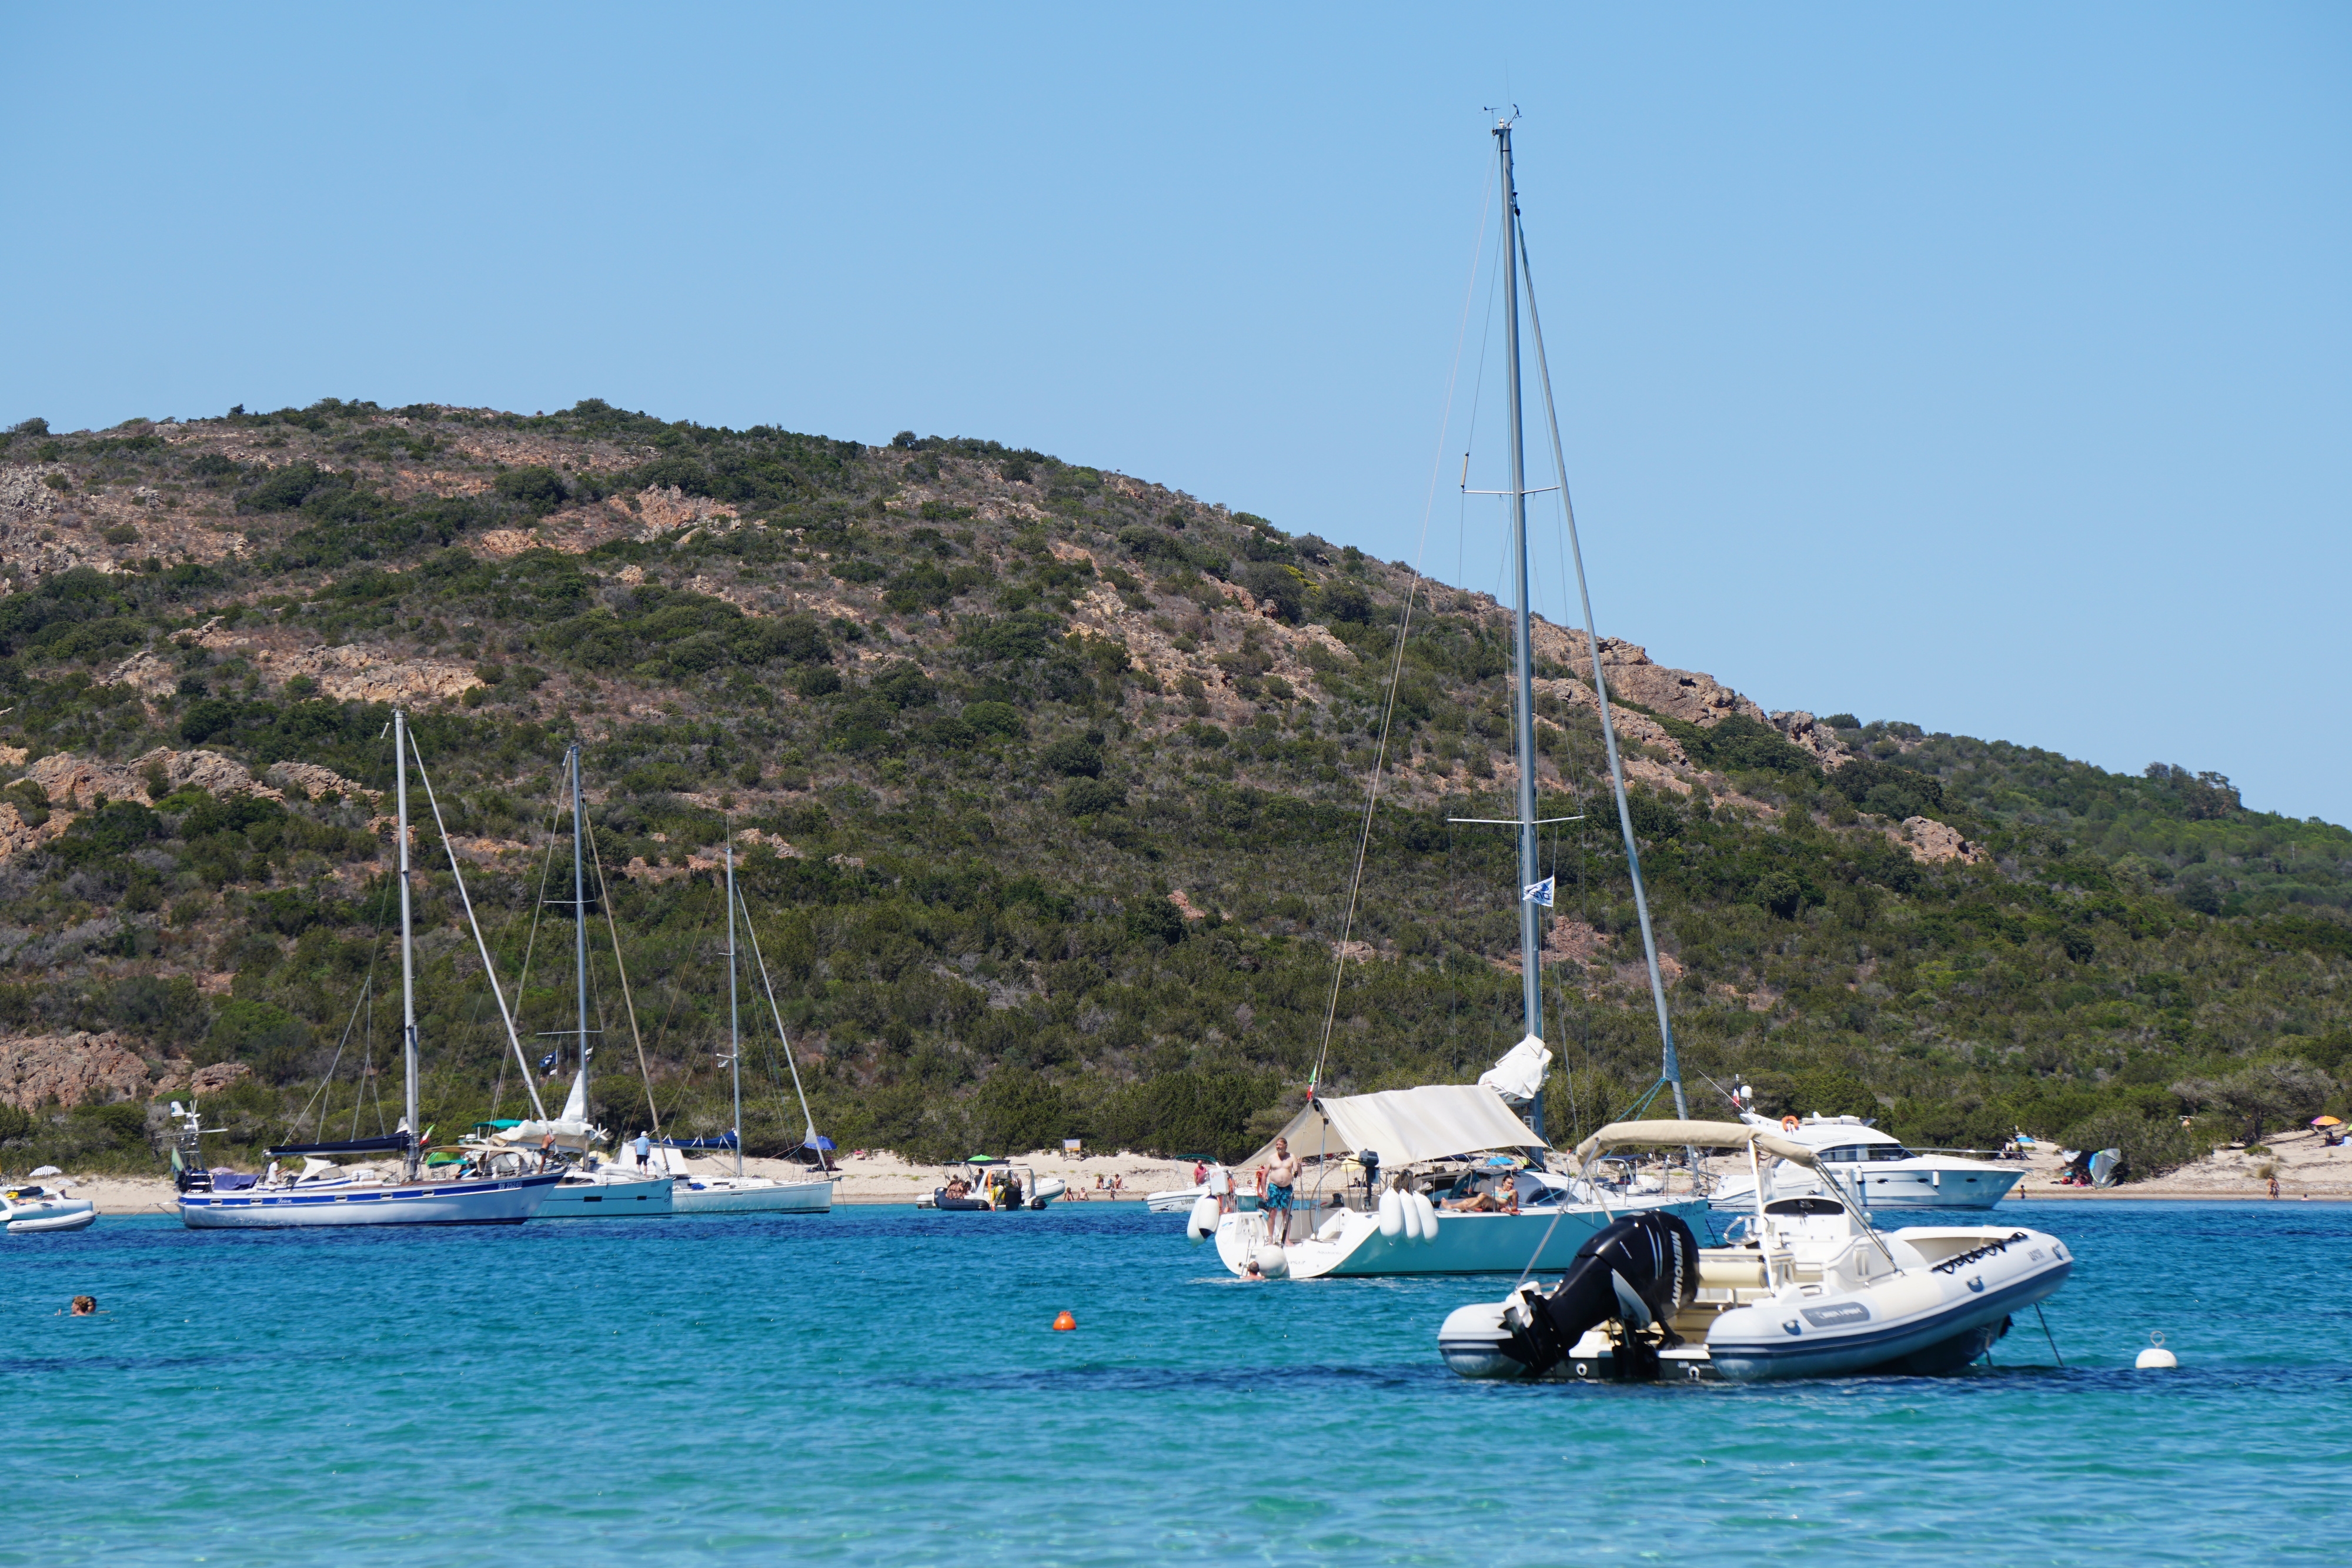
column 2155, row 1357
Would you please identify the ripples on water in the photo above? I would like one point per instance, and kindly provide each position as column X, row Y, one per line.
column 880, row 1385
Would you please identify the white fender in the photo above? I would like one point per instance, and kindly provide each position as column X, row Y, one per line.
column 1411, row 1215
column 1391, row 1214
column 1428, row 1212
column 1273, row 1263
column 1201, row 1223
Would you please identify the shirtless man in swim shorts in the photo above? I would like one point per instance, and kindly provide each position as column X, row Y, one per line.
column 1281, row 1176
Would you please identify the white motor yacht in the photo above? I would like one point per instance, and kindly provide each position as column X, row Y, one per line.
column 1807, row 1287
column 1873, row 1166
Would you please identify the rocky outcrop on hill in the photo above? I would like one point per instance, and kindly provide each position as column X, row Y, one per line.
column 75, row 783
column 1930, row 840
column 1808, row 734
column 74, row 1069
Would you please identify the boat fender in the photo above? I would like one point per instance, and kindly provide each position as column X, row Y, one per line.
column 1273, row 1263
column 1391, row 1214
column 1410, row 1213
column 1201, row 1223
column 1428, row 1212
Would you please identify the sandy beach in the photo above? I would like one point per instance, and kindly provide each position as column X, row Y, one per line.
column 860, row 1178
column 2306, row 1169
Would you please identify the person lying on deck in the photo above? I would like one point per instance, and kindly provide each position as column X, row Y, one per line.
column 1504, row 1199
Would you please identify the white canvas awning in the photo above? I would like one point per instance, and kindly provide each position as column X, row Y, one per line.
column 1405, row 1126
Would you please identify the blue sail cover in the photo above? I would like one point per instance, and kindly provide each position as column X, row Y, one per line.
column 725, row 1141
column 353, row 1146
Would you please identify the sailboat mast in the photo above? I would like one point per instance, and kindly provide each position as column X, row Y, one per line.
column 734, row 1038
column 407, row 953
column 1523, row 670
column 579, row 925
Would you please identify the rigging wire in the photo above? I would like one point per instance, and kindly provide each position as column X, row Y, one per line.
column 488, row 968
column 605, row 895
column 1670, row 1070
column 1396, row 669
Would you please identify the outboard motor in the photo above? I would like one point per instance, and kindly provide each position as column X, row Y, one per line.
column 1641, row 1270
column 1371, row 1160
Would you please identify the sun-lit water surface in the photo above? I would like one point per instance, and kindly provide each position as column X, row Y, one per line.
column 882, row 1385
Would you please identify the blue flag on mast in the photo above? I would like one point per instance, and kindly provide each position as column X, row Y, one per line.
column 1539, row 893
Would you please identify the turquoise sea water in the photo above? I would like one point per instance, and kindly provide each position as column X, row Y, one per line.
column 881, row 1385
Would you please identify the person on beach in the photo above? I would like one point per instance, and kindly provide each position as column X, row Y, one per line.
column 644, row 1150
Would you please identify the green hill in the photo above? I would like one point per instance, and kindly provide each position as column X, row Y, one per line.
column 1046, row 783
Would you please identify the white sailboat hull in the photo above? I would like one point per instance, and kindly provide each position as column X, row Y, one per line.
column 505, row 1201
column 1464, row 1243
column 751, row 1194
column 607, row 1197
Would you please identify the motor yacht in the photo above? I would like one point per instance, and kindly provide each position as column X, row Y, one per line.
column 1873, row 1166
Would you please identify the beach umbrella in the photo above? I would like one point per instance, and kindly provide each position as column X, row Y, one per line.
column 2327, row 1121
column 819, row 1142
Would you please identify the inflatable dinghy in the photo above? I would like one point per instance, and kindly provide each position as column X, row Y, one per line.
column 1806, row 1287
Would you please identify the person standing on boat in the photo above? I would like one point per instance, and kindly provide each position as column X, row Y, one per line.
column 644, row 1150
column 1280, row 1175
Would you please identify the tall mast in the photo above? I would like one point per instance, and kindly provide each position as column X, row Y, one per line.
column 407, row 955
column 579, row 931
column 1523, row 671
column 734, row 1040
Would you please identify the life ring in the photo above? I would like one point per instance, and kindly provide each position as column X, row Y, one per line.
column 1790, row 1123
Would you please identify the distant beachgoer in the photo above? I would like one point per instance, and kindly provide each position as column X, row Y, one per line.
column 2274, row 1187
column 644, row 1150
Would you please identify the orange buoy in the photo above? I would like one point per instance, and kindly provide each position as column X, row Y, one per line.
column 1065, row 1323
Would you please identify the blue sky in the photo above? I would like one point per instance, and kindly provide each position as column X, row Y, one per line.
column 1980, row 366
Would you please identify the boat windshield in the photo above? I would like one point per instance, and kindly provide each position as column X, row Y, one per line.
column 1859, row 1153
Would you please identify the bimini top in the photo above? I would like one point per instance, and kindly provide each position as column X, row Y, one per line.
column 1699, row 1134
column 1404, row 1126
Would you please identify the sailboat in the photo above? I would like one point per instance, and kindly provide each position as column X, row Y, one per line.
column 1453, row 1143
column 220, row 1200
column 740, row 1192
column 590, row 1188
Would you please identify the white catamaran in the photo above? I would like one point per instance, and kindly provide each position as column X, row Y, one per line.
column 224, row 1200
column 1455, row 1141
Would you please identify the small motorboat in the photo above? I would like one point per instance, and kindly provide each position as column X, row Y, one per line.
column 33, row 1211
column 994, row 1185
column 1805, row 1286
